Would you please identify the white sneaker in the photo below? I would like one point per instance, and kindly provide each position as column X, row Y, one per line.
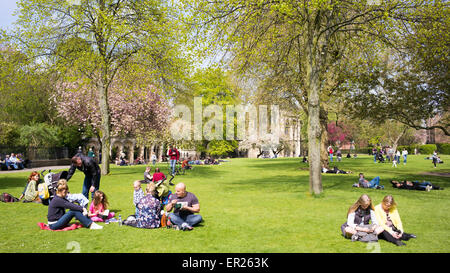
column 95, row 226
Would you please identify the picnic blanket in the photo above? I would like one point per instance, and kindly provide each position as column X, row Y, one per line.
column 71, row 227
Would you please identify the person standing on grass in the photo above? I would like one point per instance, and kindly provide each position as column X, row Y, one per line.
column 388, row 217
column 185, row 205
column 405, row 155
column 330, row 151
column 435, row 158
column 91, row 170
column 174, row 156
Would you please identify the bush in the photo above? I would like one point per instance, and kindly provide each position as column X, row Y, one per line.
column 409, row 148
column 427, row 149
column 443, row 148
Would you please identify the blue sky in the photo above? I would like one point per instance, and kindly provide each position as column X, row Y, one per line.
column 7, row 8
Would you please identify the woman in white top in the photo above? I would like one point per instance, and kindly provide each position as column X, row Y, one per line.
column 359, row 215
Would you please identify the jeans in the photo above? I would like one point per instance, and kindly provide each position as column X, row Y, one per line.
column 374, row 182
column 65, row 219
column 87, row 185
column 331, row 157
column 173, row 163
column 79, row 198
column 191, row 219
column 404, row 158
column 136, row 212
column 423, row 185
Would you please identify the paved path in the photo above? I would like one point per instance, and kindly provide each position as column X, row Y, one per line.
column 39, row 169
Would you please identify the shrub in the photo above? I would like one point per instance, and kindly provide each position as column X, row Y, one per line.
column 427, row 148
column 443, row 148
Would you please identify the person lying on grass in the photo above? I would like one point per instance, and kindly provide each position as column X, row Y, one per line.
column 415, row 185
column 335, row 170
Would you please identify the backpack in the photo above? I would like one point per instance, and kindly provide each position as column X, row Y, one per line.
column 43, row 191
column 8, row 198
column 365, row 237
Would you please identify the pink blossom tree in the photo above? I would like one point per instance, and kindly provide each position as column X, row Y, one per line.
column 338, row 133
column 134, row 111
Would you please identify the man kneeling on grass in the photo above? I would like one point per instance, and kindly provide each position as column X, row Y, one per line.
column 185, row 204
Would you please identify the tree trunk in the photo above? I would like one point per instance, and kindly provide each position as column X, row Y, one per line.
column 105, row 125
column 324, row 138
column 314, row 130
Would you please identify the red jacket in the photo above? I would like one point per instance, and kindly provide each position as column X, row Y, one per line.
column 174, row 154
column 158, row 176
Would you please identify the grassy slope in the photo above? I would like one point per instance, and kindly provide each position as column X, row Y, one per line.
column 249, row 205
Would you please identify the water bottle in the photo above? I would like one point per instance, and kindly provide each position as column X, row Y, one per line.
column 120, row 220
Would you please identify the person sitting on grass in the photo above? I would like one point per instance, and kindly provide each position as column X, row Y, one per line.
column 147, row 176
column 415, row 185
column 31, row 193
column 359, row 215
column 57, row 216
column 149, row 210
column 185, row 205
column 373, row 184
column 98, row 211
column 388, row 217
column 185, row 164
column 158, row 176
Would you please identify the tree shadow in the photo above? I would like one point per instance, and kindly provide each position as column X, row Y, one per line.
column 13, row 182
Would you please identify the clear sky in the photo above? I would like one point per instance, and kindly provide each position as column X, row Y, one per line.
column 7, row 8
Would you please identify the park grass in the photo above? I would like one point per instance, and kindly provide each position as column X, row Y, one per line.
column 248, row 206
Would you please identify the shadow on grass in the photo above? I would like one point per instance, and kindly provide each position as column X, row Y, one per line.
column 13, row 182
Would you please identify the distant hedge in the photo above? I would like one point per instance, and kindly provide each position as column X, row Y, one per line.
column 443, row 148
column 426, row 149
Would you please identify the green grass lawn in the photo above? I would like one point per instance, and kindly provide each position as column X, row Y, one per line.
column 248, row 205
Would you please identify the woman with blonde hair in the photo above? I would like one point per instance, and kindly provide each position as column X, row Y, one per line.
column 359, row 215
column 389, row 218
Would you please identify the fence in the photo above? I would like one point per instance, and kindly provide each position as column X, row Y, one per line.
column 36, row 153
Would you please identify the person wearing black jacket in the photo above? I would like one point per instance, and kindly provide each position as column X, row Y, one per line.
column 91, row 172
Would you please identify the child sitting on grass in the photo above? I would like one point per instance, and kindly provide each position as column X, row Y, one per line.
column 98, row 211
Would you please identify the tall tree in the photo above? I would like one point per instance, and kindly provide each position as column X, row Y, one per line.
column 135, row 111
column 319, row 37
column 94, row 39
column 412, row 84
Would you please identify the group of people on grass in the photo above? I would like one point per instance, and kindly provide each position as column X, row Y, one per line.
column 148, row 206
column 365, row 222
column 368, row 223
column 13, row 162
